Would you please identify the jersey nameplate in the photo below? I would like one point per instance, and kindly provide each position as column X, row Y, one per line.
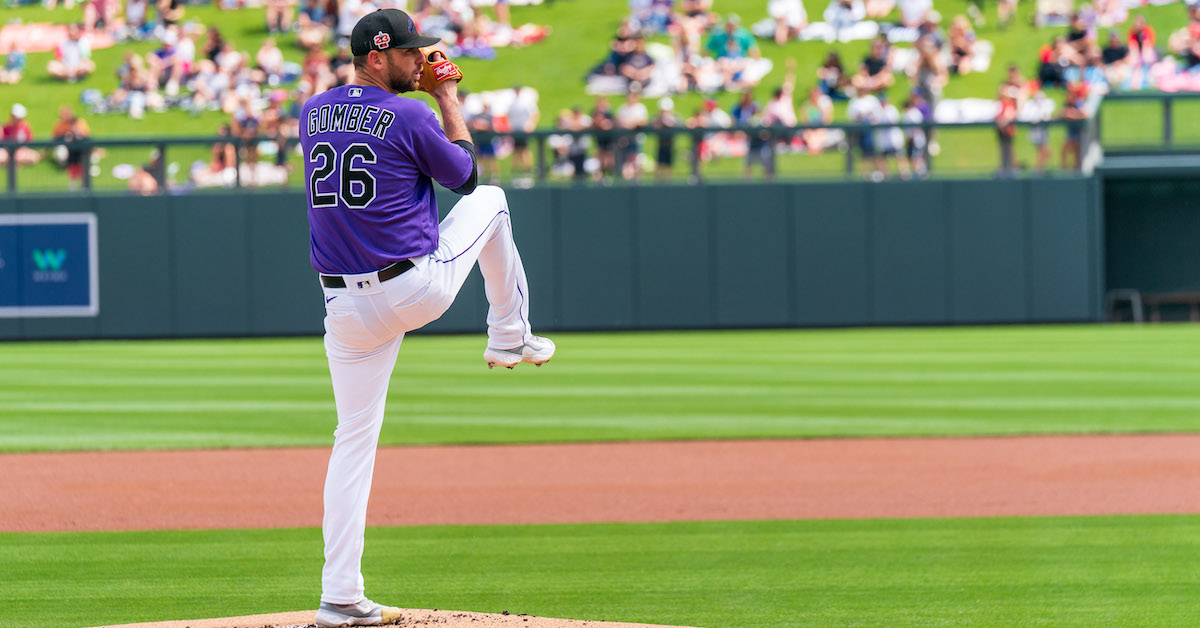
column 369, row 120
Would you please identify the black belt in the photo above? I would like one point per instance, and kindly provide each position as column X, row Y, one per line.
column 385, row 273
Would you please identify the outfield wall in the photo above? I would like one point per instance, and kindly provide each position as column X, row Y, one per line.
column 651, row 257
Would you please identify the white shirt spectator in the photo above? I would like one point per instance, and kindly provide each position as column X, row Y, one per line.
column 348, row 13
column 74, row 51
column 912, row 12
column 864, row 109
column 523, row 111
column 890, row 138
column 843, row 15
column 633, row 115
column 790, row 10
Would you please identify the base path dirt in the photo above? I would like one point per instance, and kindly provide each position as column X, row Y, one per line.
column 680, row 481
column 411, row 618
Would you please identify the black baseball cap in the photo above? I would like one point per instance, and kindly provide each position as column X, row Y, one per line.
column 386, row 28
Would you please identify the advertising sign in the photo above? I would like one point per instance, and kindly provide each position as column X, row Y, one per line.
column 48, row 265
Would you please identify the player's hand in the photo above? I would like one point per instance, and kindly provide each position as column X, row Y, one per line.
column 440, row 76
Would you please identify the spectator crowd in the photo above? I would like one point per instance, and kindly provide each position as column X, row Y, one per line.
column 661, row 50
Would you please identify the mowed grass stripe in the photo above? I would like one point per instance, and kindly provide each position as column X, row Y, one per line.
column 1072, row 571
column 732, row 384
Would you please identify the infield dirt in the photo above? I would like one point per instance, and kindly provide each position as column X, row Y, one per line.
column 632, row 482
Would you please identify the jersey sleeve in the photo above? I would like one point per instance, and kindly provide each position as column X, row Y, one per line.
column 441, row 160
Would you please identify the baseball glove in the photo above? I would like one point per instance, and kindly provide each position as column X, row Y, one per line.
column 438, row 69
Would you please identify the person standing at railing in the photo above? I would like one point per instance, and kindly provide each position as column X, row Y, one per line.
column 72, row 129
column 1006, row 129
column 1075, row 113
column 665, row 122
column 632, row 116
column 18, row 130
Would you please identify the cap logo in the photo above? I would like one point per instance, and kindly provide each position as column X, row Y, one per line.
column 411, row 26
column 382, row 40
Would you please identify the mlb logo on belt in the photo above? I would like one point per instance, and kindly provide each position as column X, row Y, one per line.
column 382, row 40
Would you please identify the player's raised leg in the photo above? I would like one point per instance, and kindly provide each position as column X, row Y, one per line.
column 479, row 228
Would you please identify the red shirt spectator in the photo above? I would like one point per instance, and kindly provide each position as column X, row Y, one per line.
column 17, row 129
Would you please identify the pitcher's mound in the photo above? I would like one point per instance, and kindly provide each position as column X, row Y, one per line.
column 410, row 617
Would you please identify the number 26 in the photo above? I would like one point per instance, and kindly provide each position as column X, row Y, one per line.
column 356, row 185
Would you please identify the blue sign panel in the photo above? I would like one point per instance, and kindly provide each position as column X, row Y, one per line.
column 48, row 265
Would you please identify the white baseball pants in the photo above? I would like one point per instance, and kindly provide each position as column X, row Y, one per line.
column 364, row 324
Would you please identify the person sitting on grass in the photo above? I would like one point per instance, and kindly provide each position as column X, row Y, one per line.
column 72, row 58
column 14, row 65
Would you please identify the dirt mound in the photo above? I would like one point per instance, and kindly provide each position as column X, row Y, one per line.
column 411, row 618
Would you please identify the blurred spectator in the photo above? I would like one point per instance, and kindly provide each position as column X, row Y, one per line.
column 214, row 44
column 831, row 76
column 144, row 181
column 1006, row 129
column 170, row 12
column 1076, row 116
column 137, row 23
column 100, row 14
column 603, row 122
column 929, row 74
column 14, row 65
column 652, row 16
column 781, row 109
column 485, row 122
column 313, row 31
column 732, row 41
column 962, row 45
column 577, row 152
column 914, row 12
column 70, row 129
column 72, row 59
column 874, row 74
column 1039, row 109
column 18, row 130
column 1141, row 41
column 1116, row 58
column 632, row 115
column 1185, row 42
column 279, row 16
column 915, row 139
column 1110, row 13
column 842, row 15
column 790, row 19
column 1055, row 58
column 665, row 122
column 523, row 116
column 637, row 67
column 1080, row 34
column 269, row 61
column 890, row 140
column 817, row 109
column 865, row 109
column 876, row 9
column 759, row 148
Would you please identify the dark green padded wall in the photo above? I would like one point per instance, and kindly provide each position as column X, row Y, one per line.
column 652, row 257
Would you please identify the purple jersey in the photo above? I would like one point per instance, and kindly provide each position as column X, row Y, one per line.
column 370, row 162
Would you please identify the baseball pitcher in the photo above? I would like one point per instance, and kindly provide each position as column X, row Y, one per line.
column 387, row 267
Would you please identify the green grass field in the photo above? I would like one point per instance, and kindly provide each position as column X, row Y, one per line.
column 1039, row 571
column 1079, row 571
column 737, row 384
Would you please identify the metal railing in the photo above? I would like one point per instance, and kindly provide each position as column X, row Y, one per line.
column 1123, row 134
column 977, row 154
